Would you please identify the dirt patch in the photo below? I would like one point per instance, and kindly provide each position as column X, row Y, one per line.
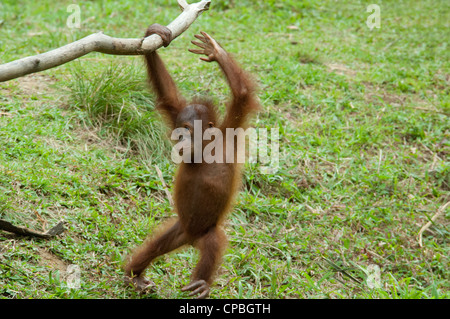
column 341, row 69
column 35, row 84
column 373, row 94
column 379, row 96
column 49, row 260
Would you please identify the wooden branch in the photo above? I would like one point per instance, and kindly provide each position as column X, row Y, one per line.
column 56, row 230
column 99, row 42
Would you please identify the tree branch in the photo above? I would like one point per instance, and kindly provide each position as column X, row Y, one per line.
column 56, row 230
column 99, row 42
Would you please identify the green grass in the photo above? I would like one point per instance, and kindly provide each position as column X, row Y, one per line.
column 364, row 144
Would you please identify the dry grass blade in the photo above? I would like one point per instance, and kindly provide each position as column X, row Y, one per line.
column 427, row 225
column 339, row 269
column 166, row 190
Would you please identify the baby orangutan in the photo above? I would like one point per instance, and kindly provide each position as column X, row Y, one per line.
column 203, row 192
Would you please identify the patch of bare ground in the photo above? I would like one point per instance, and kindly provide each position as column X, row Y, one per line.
column 379, row 96
column 35, row 84
column 340, row 69
column 90, row 135
column 51, row 261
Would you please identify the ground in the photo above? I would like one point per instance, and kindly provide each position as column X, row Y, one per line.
column 363, row 117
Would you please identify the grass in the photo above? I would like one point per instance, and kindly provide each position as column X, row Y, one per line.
column 364, row 143
column 116, row 105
